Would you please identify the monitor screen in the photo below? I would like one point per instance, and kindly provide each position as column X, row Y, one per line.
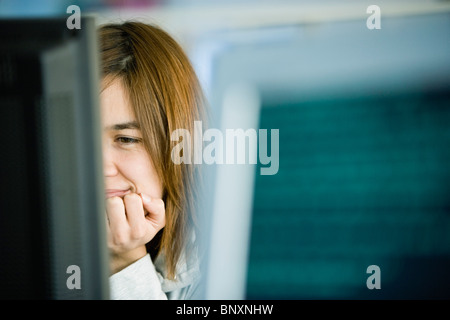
column 362, row 181
column 52, row 232
column 358, row 207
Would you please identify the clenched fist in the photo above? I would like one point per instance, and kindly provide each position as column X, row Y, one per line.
column 132, row 222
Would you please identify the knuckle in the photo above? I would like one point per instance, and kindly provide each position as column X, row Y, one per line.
column 159, row 204
column 132, row 197
column 113, row 201
column 138, row 233
column 114, row 248
column 120, row 240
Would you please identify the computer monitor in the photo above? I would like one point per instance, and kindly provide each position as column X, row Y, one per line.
column 363, row 160
column 52, row 223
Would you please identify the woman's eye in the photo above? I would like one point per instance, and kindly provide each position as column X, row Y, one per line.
column 127, row 140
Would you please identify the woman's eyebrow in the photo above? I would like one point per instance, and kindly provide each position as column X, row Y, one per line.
column 124, row 126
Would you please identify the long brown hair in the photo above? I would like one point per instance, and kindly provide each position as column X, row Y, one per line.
column 165, row 95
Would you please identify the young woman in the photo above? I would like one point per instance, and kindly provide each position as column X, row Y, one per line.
column 149, row 89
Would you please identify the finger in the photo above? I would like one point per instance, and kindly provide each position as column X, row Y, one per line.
column 134, row 211
column 118, row 225
column 156, row 211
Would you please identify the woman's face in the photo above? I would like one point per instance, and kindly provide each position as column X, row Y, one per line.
column 126, row 164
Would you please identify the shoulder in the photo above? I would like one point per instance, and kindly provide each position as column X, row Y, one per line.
column 187, row 275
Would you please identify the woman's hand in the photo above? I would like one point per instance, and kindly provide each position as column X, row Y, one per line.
column 132, row 222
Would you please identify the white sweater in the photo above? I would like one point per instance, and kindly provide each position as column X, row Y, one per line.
column 146, row 280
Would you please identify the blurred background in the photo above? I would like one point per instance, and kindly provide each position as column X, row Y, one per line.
column 363, row 117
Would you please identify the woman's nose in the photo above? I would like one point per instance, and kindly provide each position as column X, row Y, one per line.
column 109, row 165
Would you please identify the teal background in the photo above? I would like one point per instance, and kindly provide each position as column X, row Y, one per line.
column 361, row 181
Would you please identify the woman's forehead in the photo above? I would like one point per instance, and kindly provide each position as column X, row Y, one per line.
column 115, row 106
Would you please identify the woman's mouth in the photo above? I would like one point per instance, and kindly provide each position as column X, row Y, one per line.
column 109, row 193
